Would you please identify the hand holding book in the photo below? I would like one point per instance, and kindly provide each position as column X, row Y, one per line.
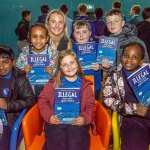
column 55, row 120
column 141, row 110
column 79, row 121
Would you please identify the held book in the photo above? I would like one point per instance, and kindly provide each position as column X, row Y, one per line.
column 67, row 104
column 86, row 53
column 38, row 62
column 3, row 117
column 140, row 83
column 107, row 49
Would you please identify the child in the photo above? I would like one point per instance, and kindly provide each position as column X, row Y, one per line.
column 118, row 95
column 67, row 136
column 100, row 25
column 57, row 30
column 44, row 11
column 15, row 94
column 38, row 39
column 22, row 29
column 125, row 33
column 134, row 13
column 82, row 32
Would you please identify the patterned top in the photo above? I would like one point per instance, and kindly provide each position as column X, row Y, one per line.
column 22, row 60
column 114, row 94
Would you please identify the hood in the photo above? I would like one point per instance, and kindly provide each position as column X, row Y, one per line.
column 127, row 31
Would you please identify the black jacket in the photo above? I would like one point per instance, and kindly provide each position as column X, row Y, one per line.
column 20, row 96
column 144, row 34
column 22, row 30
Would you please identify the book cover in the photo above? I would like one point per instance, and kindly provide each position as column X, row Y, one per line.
column 67, row 104
column 140, row 83
column 86, row 53
column 3, row 117
column 107, row 49
column 38, row 63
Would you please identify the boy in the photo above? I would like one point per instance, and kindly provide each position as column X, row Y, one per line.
column 22, row 29
column 44, row 10
column 15, row 94
column 125, row 33
column 134, row 13
column 118, row 95
column 82, row 32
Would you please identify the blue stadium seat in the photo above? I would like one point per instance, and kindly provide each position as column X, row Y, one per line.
column 16, row 135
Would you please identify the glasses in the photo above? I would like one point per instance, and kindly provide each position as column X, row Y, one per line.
column 66, row 66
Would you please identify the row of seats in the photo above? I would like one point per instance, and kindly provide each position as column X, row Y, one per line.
column 32, row 128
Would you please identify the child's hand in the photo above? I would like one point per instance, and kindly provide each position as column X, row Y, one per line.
column 141, row 109
column 78, row 121
column 49, row 70
column 3, row 104
column 27, row 68
column 95, row 66
column 105, row 63
column 54, row 120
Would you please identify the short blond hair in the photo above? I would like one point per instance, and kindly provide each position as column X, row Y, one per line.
column 82, row 8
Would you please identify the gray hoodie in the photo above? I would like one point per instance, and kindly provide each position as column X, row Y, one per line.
column 128, row 35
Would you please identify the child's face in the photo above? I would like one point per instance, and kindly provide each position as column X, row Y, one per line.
column 131, row 58
column 114, row 24
column 6, row 65
column 38, row 38
column 69, row 67
column 56, row 24
column 82, row 35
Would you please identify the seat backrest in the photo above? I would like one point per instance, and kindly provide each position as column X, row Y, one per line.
column 103, row 124
column 16, row 134
column 115, row 130
column 34, row 128
column 91, row 78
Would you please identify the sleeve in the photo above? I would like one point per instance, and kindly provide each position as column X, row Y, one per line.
column 45, row 103
column 23, row 96
column 21, row 61
column 113, row 93
column 88, row 112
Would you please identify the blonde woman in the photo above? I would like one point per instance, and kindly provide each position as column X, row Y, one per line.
column 57, row 28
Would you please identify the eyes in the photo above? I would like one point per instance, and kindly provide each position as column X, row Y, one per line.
column 112, row 22
column 55, row 22
column 81, row 32
column 134, row 57
column 41, row 37
column 65, row 65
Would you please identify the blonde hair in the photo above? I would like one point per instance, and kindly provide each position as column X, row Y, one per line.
column 58, row 73
column 80, row 24
column 65, row 31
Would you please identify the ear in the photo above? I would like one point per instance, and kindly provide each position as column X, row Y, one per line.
column 123, row 23
column 14, row 62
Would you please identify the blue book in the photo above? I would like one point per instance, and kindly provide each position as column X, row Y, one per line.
column 38, row 62
column 3, row 117
column 86, row 53
column 107, row 49
column 67, row 104
column 140, row 83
